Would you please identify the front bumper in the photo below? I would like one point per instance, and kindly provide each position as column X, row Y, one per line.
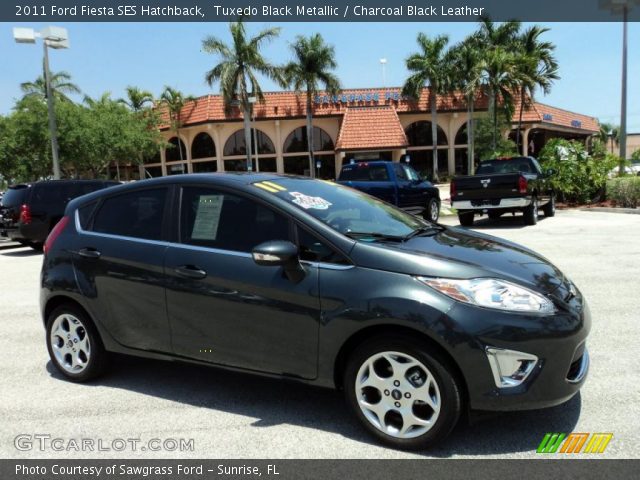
column 557, row 341
column 491, row 204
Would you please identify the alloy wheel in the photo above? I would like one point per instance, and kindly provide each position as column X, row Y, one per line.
column 398, row 394
column 70, row 343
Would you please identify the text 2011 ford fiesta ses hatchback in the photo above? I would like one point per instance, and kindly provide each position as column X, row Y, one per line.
column 309, row 280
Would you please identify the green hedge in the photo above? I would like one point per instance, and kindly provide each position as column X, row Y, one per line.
column 625, row 191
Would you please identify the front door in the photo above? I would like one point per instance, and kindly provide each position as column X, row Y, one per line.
column 225, row 309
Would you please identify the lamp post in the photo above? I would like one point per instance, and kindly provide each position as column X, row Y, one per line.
column 254, row 150
column 383, row 62
column 52, row 37
column 622, row 7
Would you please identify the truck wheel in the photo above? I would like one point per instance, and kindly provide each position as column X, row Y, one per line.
column 402, row 394
column 550, row 208
column 432, row 212
column 466, row 219
column 531, row 212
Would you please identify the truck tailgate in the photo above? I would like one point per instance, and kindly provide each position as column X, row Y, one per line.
column 485, row 187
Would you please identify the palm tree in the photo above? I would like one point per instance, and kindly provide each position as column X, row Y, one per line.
column 312, row 66
column 61, row 85
column 137, row 100
column 498, row 43
column 538, row 68
column 609, row 133
column 430, row 66
column 467, row 76
column 236, row 72
column 175, row 100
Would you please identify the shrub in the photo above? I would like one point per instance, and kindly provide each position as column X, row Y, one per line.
column 625, row 191
column 579, row 177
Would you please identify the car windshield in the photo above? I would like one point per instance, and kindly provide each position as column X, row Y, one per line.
column 344, row 209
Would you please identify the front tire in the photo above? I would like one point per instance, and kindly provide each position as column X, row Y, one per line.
column 550, row 208
column 531, row 212
column 74, row 346
column 432, row 212
column 404, row 395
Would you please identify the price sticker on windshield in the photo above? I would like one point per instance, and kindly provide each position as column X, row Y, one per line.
column 307, row 202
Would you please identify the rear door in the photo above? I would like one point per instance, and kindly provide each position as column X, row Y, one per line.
column 226, row 309
column 118, row 258
column 411, row 191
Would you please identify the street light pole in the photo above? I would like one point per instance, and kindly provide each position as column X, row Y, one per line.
column 52, row 37
column 53, row 128
column 623, row 109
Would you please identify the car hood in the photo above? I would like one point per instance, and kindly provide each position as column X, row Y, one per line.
column 458, row 253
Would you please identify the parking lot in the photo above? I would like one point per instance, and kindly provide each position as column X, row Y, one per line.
column 232, row 415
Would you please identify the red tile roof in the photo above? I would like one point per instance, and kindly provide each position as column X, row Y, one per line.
column 280, row 105
column 365, row 128
column 541, row 113
column 210, row 108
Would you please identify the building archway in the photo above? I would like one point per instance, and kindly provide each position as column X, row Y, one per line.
column 420, row 149
column 176, row 151
column 295, row 153
column 235, row 152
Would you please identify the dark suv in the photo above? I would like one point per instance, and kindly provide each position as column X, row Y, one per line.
column 317, row 282
column 28, row 212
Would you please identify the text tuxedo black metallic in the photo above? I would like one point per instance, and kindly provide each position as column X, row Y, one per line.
column 309, row 280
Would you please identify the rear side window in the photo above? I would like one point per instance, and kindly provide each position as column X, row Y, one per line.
column 365, row 173
column 85, row 213
column 216, row 219
column 136, row 214
column 15, row 196
column 46, row 194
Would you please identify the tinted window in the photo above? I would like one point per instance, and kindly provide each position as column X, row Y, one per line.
column 137, row 214
column 514, row 165
column 15, row 196
column 84, row 214
column 405, row 172
column 363, row 172
column 313, row 249
column 216, row 219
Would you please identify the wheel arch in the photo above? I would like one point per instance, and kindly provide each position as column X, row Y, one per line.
column 366, row 333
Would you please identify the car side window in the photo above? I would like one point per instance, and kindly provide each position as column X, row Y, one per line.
column 135, row 214
column 218, row 219
column 400, row 172
column 312, row 249
column 378, row 173
column 84, row 214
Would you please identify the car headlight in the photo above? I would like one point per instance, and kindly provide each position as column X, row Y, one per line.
column 491, row 293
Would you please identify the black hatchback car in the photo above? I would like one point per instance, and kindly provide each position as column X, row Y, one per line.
column 29, row 211
column 317, row 282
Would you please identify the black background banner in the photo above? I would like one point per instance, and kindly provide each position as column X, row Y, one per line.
column 312, row 10
column 323, row 469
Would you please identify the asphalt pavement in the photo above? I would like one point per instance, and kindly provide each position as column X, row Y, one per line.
column 230, row 415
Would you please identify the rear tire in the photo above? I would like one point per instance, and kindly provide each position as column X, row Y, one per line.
column 404, row 395
column 550, row 208
column 466, row 218
column 74, row 345
column 531, row 212
column 432, row 212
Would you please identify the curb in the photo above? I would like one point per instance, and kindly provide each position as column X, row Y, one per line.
column 633, row 211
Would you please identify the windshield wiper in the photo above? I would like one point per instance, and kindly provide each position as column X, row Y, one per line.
column 374, row 235
column 424, row 230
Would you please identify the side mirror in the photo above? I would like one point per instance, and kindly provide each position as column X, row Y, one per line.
column 551, row 171
column 280, row 253
column 275, row 253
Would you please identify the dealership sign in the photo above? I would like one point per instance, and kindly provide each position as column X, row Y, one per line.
column 360, row 97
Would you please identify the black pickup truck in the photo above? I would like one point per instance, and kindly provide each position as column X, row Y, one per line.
column 514, row 184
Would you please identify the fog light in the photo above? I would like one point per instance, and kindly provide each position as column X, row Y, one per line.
column 510, row 368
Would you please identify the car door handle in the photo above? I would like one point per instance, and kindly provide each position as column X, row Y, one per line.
column 190, row 271
column 89, row 253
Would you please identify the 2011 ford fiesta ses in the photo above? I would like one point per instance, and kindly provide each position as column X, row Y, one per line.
column 309, row 280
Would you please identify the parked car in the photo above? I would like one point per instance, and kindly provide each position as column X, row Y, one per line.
column 312, row 281
column 504, row 185
column 30, row 210
column 395, row 183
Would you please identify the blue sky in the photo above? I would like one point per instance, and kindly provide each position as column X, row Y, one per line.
column 110, row 56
